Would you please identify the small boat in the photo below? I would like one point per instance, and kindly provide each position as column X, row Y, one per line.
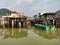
column 46, row 27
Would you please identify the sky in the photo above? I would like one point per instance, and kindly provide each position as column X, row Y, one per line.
column 31, row 7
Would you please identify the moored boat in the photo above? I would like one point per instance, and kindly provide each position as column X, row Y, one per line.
column 45, row 27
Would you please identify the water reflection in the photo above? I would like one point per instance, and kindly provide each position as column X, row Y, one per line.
column 21, row 33
column 13, row 33
column 49, row 34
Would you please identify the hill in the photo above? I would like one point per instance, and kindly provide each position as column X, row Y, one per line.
column 57, row 12
column 3, row 11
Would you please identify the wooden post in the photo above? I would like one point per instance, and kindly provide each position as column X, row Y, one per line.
column 8, row 22
column 12, row 23
column 56, row 23
column 19, row 24
column 3, row 24
column 25, row 22
column 53, row 22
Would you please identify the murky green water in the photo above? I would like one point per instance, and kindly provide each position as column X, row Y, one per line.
column 29, row 37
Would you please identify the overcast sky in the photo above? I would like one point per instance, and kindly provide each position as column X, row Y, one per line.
column 31, row 7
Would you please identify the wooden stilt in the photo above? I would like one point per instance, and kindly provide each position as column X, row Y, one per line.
column 26, row 23
column 12, row 23
column 3, row 24
column 19, row 24
column 53, row 22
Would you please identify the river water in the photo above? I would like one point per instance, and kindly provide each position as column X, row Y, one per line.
column 29, row 36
